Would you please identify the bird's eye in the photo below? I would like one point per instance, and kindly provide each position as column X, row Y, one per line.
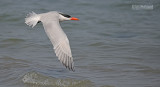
column 65, row 15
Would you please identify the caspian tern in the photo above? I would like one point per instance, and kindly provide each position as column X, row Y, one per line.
column 58, row 38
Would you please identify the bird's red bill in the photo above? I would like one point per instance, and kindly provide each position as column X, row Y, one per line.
column 73, row 18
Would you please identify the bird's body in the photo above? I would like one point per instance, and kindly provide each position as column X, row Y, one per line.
column 55, row 33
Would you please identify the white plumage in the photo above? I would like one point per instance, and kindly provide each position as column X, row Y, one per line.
column 32, row 19
column 55, row 33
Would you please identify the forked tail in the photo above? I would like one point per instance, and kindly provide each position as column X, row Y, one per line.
column 32, row 19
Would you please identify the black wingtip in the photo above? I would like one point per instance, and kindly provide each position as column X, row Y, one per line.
column 73, row 70
column 70, row 68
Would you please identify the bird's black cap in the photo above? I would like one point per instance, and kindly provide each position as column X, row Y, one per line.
column 65, row 15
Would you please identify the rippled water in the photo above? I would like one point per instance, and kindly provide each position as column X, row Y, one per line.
column 113, row 45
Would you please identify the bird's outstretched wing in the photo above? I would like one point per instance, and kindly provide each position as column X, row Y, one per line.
column 60, row 43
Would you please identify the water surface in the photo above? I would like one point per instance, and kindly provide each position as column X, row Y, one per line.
column 113, row 45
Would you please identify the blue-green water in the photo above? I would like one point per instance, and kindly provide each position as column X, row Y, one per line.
column 113, row 45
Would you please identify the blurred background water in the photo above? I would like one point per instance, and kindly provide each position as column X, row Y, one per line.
column 113, row 45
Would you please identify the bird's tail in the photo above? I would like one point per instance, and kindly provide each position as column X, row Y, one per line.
column 32, row 19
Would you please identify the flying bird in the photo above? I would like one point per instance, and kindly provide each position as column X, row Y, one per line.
column 58, row 38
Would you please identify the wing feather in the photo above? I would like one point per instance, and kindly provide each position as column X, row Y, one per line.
column 60, row 43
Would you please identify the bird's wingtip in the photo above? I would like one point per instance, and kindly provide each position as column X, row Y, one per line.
column 71, row 68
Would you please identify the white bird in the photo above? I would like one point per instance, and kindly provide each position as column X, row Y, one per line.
column 58, row 38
